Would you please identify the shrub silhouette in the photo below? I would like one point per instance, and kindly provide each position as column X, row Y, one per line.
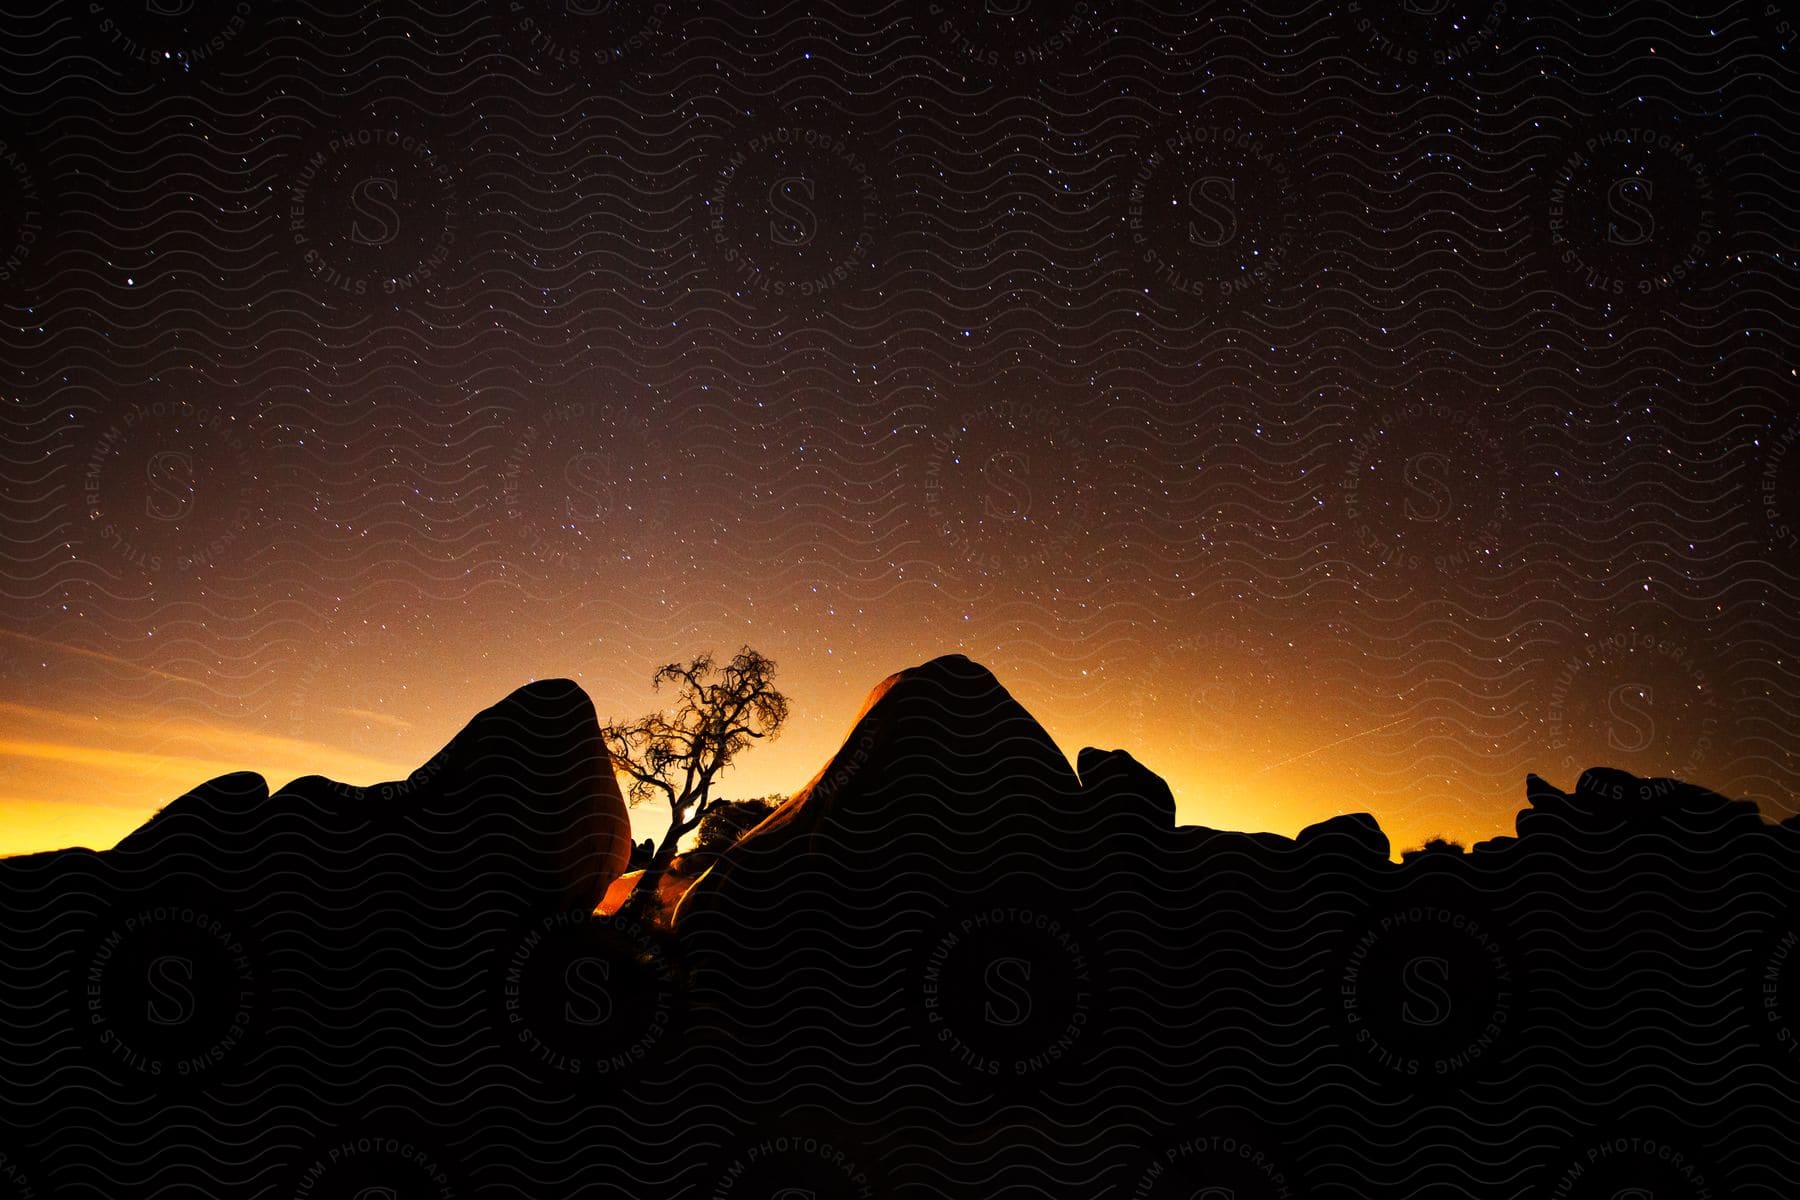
column 1433, row 845
column 728, row 820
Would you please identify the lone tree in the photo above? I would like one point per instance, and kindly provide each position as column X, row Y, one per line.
column 676, row 755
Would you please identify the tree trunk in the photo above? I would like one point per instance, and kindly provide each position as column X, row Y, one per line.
column 646, row 896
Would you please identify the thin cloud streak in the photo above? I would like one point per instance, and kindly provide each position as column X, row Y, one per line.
column 96, row 656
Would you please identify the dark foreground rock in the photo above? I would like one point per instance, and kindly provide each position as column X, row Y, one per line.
column 951, row 965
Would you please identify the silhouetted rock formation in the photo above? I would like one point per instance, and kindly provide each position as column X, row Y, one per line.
column 941, row 762
column 1608, row 802
column 1128, row 788
column 949, row 963
column 229, row 807
column 525, row 790
column 1356, row 833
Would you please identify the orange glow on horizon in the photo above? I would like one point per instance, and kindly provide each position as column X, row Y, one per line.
column 68, row 779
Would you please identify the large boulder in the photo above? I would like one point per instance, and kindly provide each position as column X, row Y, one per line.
column 1129, row 791
column 1356, row 834
column 942, row 774
column 529, row 786
column 946, row 845
column 523, row 799
column 524, row 796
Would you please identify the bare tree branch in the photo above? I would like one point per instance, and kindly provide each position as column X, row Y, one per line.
column 679, row 753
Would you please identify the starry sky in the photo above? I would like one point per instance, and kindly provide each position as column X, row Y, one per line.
column 1342, row 407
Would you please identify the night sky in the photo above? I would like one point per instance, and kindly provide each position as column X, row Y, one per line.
column 1341, row 406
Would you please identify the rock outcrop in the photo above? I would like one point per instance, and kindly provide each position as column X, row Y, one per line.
column 1353, row 833
column 942, row 772
column 1608, row 803
column 948, row 958
column 528, row 787
column 524, row 793
column 1129, row 790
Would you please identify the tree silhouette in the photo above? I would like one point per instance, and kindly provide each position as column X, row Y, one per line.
column 676, row 755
